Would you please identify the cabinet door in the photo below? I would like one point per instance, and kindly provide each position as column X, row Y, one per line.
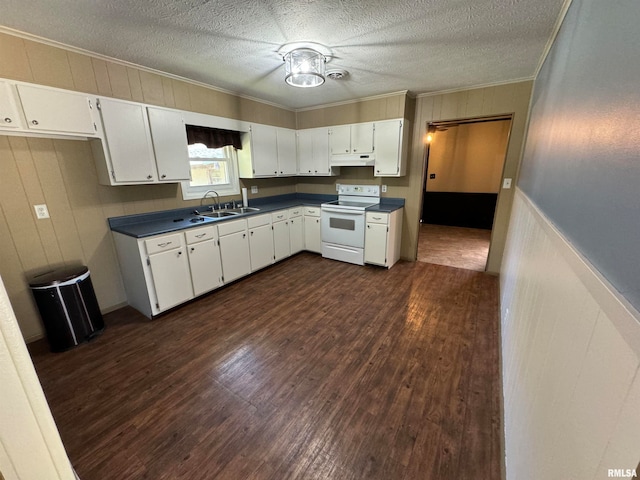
column 281, row 242
column 321, row 151
column 287, row 162
column 234, row 252
column 169, row 138
column 340, row 139
column 206, row 267
column 264, row 149
column 375, row 243
column 306, row 163
column 261, row 247
column 296, row 235
column 9, row 110
column 312, row 241
column 128, row 140
column 57, row 111
column 171, row 278
column 388, row 147
column 362, row 138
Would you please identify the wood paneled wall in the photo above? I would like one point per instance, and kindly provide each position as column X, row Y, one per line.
column 570, row 359
column 61, row 173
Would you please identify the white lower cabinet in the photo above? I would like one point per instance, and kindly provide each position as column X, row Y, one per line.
column 204, row 259
column 163, row 271
column 234, row 250
column 296, row 230
column 155, row 271
column 171, row 278
column 382, row 238
column 312, row 239
column 260, row 241
column 281, row 242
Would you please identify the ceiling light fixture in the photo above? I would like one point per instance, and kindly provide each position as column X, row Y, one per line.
column 304, row 64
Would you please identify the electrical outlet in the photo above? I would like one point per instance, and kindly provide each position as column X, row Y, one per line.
column 254, row 189
column 384, row 189
column 337, row 187
column 41, row 211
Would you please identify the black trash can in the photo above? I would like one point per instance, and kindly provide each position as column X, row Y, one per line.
column 68, row 306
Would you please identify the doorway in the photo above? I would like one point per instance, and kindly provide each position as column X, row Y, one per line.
column 463, row 177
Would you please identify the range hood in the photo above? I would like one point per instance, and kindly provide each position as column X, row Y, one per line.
column 353, row 160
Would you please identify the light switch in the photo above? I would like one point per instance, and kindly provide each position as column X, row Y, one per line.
column 506, row 183
column 41, row 211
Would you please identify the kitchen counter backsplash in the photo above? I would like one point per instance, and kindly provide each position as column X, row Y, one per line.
column 154, row 223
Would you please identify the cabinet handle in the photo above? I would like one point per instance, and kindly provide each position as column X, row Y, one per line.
column 368, row 226
column 163, row 176
column 149, row 177
column 378, row 171
column 244, row 235
column 276, row 172
column 162, row 245
column 7, row 120
column 193, row 249
column 180, row 253
column 34, row 122
column 347, row 151
column 286, row 223
column 251, row 234
column 201, row 235
column 377, row 218
column 354, row 150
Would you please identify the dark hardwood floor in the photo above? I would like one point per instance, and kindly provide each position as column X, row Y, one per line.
column 310, row 369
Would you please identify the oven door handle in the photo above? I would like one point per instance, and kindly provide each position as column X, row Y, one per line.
column 343, row 212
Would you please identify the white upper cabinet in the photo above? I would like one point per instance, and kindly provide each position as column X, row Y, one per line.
column 391, row 143
column 287, row 158
column 268, row 152
column 10, row 115
column 56, row 111
column 313, row 153
column 352, row 139
column 169, row 138
column 127, row 143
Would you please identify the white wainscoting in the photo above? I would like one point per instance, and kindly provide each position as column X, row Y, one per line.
column 570, row 358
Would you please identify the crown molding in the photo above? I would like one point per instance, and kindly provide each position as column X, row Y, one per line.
column 554, row 34
column 475, row 87
column 354, row 100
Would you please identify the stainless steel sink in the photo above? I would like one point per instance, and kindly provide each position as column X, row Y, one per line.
column 219, row 214
column 241, row 210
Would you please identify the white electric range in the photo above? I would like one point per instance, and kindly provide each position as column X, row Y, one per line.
column 343, row 222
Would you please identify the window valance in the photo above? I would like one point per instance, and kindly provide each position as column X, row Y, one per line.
column 213, row 137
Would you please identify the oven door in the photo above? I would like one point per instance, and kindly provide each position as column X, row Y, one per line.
column 342, row 227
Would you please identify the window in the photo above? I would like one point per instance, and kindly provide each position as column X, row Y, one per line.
column 211, row 169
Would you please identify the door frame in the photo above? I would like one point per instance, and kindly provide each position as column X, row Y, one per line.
column 430, row 127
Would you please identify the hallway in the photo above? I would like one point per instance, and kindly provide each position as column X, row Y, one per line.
column 454, row 246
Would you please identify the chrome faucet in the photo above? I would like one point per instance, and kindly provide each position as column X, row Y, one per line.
column 206, row 196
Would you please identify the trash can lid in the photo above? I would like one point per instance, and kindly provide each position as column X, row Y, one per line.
column 57, row 275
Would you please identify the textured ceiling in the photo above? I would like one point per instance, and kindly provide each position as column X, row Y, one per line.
column 387, row 46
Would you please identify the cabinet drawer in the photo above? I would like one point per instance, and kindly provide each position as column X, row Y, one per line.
column 259, row 220
column 227, row 228
column 312, row 211
column 196, row 235
column 165, row 242
column 295, row 212
column 377, row 217
column 279, row 216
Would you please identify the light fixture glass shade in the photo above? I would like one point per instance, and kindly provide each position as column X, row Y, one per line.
column 304, row 67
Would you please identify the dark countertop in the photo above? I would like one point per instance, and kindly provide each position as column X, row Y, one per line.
column 155, row 223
